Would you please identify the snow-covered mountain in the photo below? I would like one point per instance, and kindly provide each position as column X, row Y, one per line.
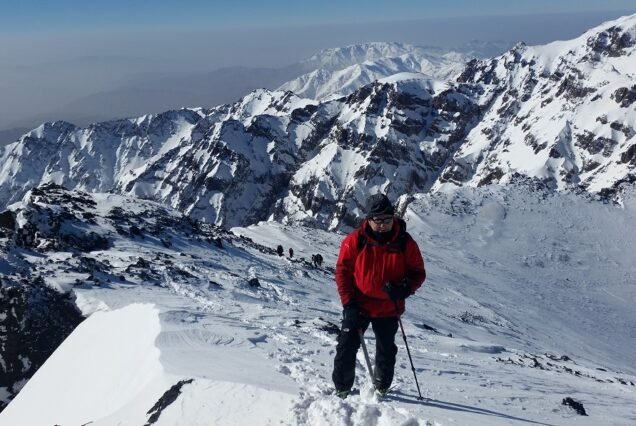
column 562, row 115
column 342, row 57
column 527, row 310
column 339, row 72
column 271, row 153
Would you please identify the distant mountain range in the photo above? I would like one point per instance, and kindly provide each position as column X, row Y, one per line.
column 155, row 92
column 560, row 115
column 342, row 71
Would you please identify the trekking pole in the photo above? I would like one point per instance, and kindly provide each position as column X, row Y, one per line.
column 397, row 311
column 366, row 353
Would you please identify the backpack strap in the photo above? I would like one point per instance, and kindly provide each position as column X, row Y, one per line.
column 362, row 241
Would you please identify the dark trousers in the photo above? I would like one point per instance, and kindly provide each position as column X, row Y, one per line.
column 344, row 364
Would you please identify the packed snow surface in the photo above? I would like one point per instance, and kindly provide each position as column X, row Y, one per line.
column 529, row 300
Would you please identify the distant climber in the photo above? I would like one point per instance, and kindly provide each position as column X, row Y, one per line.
column 316, row 259
column 279, row 250
column 291, row 252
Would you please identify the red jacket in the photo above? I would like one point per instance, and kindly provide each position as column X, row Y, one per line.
column 362, row 272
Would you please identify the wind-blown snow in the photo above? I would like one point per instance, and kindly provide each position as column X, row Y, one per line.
column 108, row 362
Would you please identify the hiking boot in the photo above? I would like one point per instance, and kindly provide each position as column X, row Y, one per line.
column 342, row 394
column 382, row 391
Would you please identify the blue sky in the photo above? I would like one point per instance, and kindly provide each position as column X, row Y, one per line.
column 33, row 17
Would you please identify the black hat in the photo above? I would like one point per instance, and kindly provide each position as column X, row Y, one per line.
column 378, row 204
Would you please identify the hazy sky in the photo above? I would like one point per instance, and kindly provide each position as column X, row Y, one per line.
column 256, row 32
column 27, row 17
column 55, row 52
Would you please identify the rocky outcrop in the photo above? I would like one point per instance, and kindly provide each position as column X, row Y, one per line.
column 625, row 96
column 613, row 41
column 7, row 220
column 35, row 320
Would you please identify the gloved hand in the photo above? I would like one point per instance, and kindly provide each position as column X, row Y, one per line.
column 397, row 290
column 350, row 317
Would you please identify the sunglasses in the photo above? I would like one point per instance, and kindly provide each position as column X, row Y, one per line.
column 382, row 220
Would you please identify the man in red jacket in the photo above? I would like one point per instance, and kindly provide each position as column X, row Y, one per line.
column 379, row 266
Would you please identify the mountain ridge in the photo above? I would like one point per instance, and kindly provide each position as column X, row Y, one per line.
column 531, row 113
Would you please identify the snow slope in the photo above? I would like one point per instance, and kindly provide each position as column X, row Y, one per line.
column 530, row 295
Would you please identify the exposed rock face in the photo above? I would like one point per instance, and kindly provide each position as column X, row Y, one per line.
column 34, row 320
column 47, row 229
column 624, row 96
column 7, row 220
column 613, row 41
column 575, row 405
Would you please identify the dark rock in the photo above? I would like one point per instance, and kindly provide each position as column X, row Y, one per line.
column 427, row 327
column 577, row 406
column 554, row 152
column 87, row 242
column 477, row 71
column 493, row 176
column 142, row 263
column 300, row 115
column 570, row 88
column 616, row 125
column 35, row 320
column 134, row 230
column 625, row 96
column 7, row 220
column 592, row 144
column 629, row 156
column 470, row 318
column 558, row 358
column 166, row 399
column 330, row 328
column 611, row 42
column 532, row 141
